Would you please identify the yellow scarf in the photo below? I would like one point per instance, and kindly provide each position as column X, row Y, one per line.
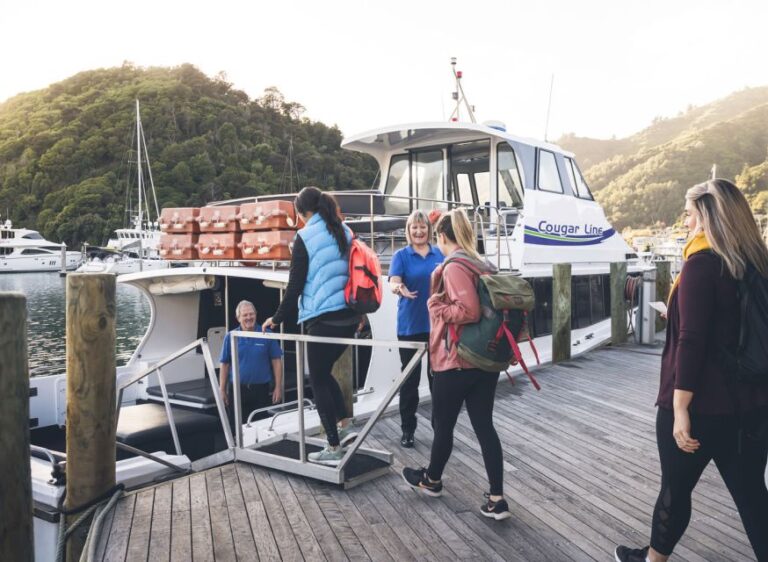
column 696, row 244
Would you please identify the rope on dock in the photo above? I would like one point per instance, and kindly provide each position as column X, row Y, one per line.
column 101, row 506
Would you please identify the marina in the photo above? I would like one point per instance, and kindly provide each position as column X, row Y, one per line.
column 581, row 475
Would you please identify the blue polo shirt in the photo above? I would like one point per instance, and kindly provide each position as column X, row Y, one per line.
column 415, row 271
column 255, row 357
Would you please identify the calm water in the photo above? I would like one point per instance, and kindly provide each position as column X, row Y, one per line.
column 45, row 311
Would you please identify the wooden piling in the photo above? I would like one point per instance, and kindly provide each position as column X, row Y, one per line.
column 16, row 533
column 663, row 285
column 90, row 394
column 561, row 312
column 618, row 302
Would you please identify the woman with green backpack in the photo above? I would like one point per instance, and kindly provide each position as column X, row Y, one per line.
column 454, row 301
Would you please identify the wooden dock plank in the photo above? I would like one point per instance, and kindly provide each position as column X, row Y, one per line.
column 266, row 547
column 121, row 530
column 300, row 525
column 138, row 543
column 278, row 519
column 202, row 538
column 160, row 534
column 580, row 473
column 106, row 530
column 221, row 526
column 245, row 547
column 181, row 522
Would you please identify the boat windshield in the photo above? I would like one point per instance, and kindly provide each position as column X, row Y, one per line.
column 33, row 236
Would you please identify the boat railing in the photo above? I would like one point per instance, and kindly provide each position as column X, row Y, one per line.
column 202, row 344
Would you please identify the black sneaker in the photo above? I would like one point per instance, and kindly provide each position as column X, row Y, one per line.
column 496, row 510
column 417, row 479
column 407, row 440
column 626, row 554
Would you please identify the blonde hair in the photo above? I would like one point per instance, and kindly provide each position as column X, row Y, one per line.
column 456, row 227
column 420, row 217
column 729, row 225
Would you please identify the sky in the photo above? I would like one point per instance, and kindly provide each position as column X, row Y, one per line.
column 614, row 65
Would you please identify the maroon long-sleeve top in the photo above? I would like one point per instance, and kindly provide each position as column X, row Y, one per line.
column 702, row 315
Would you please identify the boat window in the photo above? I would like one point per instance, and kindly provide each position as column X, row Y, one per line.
column 509, row 177
column 398, row 186
column 428, row 179
column 470, row 168
column 33, row 251
column 5, row 251
column 33, row 236
column 463, row 189
column 549, row 177
column 6, row 234
column 582, row 190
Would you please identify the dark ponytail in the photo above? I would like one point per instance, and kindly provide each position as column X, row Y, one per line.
column 311, row 199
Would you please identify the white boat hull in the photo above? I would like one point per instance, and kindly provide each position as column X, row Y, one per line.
column 45, row 262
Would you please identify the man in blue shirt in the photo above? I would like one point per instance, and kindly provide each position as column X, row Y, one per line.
column 259, row 362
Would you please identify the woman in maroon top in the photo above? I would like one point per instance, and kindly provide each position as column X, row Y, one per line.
column 704, row 413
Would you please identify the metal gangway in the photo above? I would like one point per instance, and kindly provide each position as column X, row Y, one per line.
column 285, row 451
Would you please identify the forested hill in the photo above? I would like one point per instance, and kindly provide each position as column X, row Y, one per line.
column 641, row 180
column 67, row 152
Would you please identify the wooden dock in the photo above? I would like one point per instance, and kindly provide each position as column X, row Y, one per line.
column 581, row 475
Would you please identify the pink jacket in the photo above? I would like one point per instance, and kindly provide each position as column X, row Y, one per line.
column 458, row 304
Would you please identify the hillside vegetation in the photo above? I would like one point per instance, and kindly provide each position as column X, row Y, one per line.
column 641, row 180
column 67, row 153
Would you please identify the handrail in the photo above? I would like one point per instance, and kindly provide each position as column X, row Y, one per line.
column 210, row 371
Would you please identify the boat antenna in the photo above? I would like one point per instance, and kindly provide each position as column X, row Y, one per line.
column 460, row 97
column 549, row 106
column 714, row 171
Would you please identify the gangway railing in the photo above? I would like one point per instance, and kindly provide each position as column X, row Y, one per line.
column 210, row 370
column 259, row 454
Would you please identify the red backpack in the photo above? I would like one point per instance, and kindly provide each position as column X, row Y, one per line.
column 363, row 290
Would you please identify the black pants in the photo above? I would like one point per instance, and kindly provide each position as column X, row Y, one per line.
column 409, row 392
column 321, row 357
column 743, row 472
column 252, row 397
column 450, row 390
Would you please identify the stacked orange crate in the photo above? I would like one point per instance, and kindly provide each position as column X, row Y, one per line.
column 180, row 233
column 269, row 228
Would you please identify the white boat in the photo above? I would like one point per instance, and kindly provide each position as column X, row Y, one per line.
column 531, row 206
column 25, row 250
column 119, row 263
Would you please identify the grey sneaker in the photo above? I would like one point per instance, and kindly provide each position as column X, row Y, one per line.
column 346, row 435
column 327, row 456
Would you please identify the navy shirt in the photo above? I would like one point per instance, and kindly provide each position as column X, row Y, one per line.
column 254, row 357
column 415, row 271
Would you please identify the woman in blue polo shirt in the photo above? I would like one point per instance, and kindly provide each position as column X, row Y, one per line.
column 409, row 276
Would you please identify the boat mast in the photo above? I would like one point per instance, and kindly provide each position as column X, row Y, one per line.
column 138, row 161
column 460, row 97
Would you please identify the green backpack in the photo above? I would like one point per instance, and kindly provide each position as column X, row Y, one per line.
column 490, row 344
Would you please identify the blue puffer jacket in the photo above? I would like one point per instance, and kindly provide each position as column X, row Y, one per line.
column 328, row 270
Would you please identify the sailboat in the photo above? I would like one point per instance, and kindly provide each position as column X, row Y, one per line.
column 136, row 247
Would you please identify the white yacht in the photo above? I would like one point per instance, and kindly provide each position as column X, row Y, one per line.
column 25, row 250
column 531, row 207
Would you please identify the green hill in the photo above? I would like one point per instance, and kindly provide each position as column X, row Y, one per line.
column 65, row 158
column 641, row 180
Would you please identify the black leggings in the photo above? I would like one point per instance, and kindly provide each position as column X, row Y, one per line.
column 321, row 358
column 743, row 473
column 409, row 392
column 450, row 390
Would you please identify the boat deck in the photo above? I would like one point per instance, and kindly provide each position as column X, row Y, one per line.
column 581, row 475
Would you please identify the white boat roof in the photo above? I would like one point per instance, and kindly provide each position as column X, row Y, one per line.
column 264, row 273
column 401, row 137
